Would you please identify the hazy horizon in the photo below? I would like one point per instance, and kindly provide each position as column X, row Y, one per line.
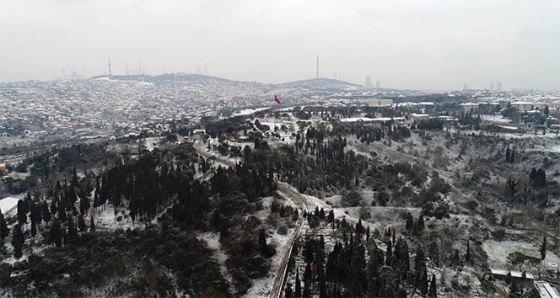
column 404, row 44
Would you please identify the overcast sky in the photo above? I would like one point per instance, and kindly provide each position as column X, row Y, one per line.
column 415, row 44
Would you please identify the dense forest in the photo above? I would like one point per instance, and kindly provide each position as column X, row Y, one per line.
column 159, row 185
column 174, row 193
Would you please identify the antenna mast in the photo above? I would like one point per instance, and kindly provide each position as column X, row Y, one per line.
column 317, row 67
column 109, row 63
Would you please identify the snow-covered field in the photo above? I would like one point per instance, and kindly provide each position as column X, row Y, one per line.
column 498, row 251
column 249, row 111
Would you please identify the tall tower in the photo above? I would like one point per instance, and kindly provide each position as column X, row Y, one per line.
column 491, row 86
column 317, row 67
column 499, row 86
column 109, row 62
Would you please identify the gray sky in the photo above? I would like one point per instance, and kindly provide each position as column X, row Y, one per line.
column 416, row 44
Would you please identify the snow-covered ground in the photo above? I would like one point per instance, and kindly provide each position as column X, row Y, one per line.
column 263, row 286
column 498, row 251
column 249, row 111
column 213, row 242
column 105, row 218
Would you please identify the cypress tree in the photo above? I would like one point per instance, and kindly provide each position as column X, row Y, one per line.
column 72, row 231
column 432, row 293
column 543, row 248
column 434, row 253
column 91, row 224
column 306, row 290
column 307, row 275
column 21, row 216
column 33, row 229
column 81, row 224
column 468, row 254
column 4, row 232
column 55, row 235
column 262, row 241
column 17, row 241
column 420, row 224
column 424, row 282
column 45, row 212
column 298, row 284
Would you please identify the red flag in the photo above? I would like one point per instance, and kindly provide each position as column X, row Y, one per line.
column 276, row 99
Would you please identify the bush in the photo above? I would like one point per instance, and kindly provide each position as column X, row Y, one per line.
column 351, row 199
column 283, row 230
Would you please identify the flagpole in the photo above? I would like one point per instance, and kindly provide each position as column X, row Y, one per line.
column 277, row 101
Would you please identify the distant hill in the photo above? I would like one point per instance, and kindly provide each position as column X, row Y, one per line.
column 165, row 78
column 321, row 83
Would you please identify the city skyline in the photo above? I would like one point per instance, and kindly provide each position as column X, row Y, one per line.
column 406, row 45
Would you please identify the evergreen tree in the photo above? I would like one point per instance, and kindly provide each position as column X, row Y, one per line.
column 359, row 229
column 388, row 286
column 419, row 267
column 33, row 229
column 434, row 253
column 91, row 224
column 72, row 231
column 508, row 154
column 514, row 290
column 84, row 202
column 288, row 291
column 45, row 212
column 4, row 231
column 541, row 178
column 298, row 284
column 402, row 257
column 262, row 243
column 55, row 235
column 61, row 211
column 35, row 213
column 81, row 224
column 424, row 282
column 508, row 278
column 17, row 241
column 306, row 290
column 468, row 254
column 432, row 293
column 21, row 216
column 455, row 258
column 543, row 247
column 511, row 187
column 307, row 275
column 217, row 220
column 420, row 225
column 330, row 217
column 409, row 222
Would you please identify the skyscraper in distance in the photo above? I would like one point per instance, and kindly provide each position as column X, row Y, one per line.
column 369, row 83
column 499, row 87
